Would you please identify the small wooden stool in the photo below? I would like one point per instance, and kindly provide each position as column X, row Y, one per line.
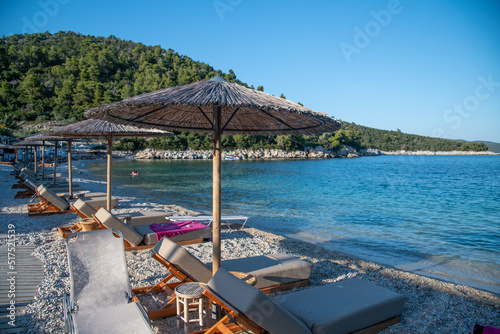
column 190, row 298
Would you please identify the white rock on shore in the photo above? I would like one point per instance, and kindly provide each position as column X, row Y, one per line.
column 318, row 152
column 432, row 306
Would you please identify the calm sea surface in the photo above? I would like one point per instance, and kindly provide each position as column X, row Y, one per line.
column 435, row 215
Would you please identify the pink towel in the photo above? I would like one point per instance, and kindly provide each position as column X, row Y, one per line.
column 175, row 228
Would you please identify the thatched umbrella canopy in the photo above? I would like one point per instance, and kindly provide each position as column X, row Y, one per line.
column 98, row 129
column 219, row 107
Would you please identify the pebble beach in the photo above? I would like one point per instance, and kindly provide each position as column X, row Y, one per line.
column 432, row 306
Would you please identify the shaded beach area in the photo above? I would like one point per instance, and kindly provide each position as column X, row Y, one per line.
column 431, row 305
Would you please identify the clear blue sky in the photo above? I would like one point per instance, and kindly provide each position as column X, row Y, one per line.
column 426, row 67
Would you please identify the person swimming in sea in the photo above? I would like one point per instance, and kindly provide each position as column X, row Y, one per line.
column 134, row 173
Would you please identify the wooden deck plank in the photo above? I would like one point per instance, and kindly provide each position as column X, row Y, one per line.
column 28, row 274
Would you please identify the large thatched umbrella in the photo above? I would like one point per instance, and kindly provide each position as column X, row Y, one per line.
column 218, row 107
column 93, row 128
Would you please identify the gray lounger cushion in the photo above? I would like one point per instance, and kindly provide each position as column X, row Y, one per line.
column 30, row 184
column 183, row 260
column 343, row 307
column 272, row 269
column 148, row 235
column 145, row 217
column 111, row 221
column 84, row 208
column 255, row 305
column 100, row 202
column 52, row 197
column 269, row 270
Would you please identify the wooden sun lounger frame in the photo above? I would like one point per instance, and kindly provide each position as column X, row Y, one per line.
column 169, row 308
column 44, row 208
column 233, row 321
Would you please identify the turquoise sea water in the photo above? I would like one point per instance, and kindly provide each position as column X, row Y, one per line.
column 435, row 215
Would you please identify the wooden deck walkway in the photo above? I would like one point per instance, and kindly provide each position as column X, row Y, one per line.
column 22, row 279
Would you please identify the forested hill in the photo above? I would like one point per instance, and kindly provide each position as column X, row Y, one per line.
column 46, row 77
column 57, row 76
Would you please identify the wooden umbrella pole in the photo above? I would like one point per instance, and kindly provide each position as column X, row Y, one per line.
column 55, row 162
column 216, row 237
column 34, row 159
column 70, row 171
column 108, row 186
column 43, row 159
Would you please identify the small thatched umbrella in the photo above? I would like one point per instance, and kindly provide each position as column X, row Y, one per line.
column 34, row 142
column 93, row 128
column 44, row 137
column 218, row 107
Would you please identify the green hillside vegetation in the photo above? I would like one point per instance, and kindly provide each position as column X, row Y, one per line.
column 46, row 77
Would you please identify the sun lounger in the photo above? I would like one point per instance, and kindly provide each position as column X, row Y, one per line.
column 142, row 236
column 209, row 219
column 27, row 173
column 275, row 272
column 50, row 203
column 348, row 306
column 141, row 217
column 32, row 186
column 100, row 300
column 48, row 183
column 84, row 210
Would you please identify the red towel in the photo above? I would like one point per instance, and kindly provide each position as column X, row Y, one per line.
column 175, row 228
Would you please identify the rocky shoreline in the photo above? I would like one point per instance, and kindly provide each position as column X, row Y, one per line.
column 309, row 153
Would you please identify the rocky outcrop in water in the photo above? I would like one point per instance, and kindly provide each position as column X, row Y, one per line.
column 309, row 153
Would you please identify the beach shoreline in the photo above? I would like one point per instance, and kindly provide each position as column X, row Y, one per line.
column 431, row 305
column 309, row 153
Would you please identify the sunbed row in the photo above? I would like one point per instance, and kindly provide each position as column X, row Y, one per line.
column 347, row 306
column 108, row 304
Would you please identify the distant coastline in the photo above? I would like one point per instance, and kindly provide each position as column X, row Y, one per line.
column 310, row 153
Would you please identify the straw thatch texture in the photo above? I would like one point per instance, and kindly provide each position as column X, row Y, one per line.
column 26, row 143
column 93, row 128
column 45, row 137
column 191, row 108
